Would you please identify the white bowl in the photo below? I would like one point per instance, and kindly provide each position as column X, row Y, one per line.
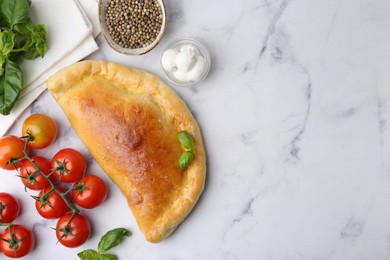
column 202, row 50
column 116, row 46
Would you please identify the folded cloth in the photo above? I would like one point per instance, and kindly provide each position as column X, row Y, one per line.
column 90, row 9
column 60, row 50
column 71, row 34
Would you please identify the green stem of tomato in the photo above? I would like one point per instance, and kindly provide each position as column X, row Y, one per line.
column 74, row 209
column 69, row 191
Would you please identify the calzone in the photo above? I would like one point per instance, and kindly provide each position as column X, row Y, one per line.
column 129, row 119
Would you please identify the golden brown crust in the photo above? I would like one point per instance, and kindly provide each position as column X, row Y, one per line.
column 128, row 119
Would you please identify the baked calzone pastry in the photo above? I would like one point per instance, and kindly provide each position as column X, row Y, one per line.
column 129, row 121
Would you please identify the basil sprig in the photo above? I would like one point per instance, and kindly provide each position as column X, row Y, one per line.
column 19, row 37
column 91, row 254
column 188, row 155
column 111, row 239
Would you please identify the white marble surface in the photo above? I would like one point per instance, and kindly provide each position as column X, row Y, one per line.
column 294, row 115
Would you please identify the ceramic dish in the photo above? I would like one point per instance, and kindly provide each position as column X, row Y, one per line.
column 201, row 50
column 116, row 46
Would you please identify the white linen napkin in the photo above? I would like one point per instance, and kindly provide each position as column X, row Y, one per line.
column 90, row 9
column 71, row 31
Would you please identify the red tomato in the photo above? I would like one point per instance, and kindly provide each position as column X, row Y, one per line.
column 11, row 147
column 89, row 193
column 71, row 165
column 18, row 245
column 73, row 232
column 41, row 128
column 52, row 205
column 9, row 207
column 31, row 178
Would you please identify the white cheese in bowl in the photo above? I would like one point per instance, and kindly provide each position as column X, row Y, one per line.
column 185, row 64
column 168, row 59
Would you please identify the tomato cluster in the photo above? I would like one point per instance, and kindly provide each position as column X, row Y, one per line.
column 61, row 181
column 15, row 240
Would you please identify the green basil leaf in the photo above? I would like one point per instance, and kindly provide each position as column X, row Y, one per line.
column 3, row 58
column 186, row 140
column 41, row 34
column 112, row 238
column 107, row 257
column 14, row 12
column 89, row 254
column 185, row 159
column 25, row 28
column 7, row 42
column 11, row 83
column 35, row 45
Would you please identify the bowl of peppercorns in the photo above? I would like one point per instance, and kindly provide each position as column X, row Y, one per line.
column 132, row 27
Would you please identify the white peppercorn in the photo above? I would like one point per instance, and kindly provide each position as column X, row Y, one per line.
column 133, row 23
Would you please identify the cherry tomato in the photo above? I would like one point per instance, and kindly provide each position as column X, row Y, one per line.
column 9, row 207
column 18, row 245
column 41, row 128
column 90, row 192
column 71, row 165
column 73, row 232
column 52, row 205
column 11, row 147
column 33, row 179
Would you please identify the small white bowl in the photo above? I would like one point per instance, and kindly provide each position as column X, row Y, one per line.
column 202, row 50
column 116, row 46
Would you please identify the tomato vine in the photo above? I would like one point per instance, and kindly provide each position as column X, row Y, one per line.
column 67, row 168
